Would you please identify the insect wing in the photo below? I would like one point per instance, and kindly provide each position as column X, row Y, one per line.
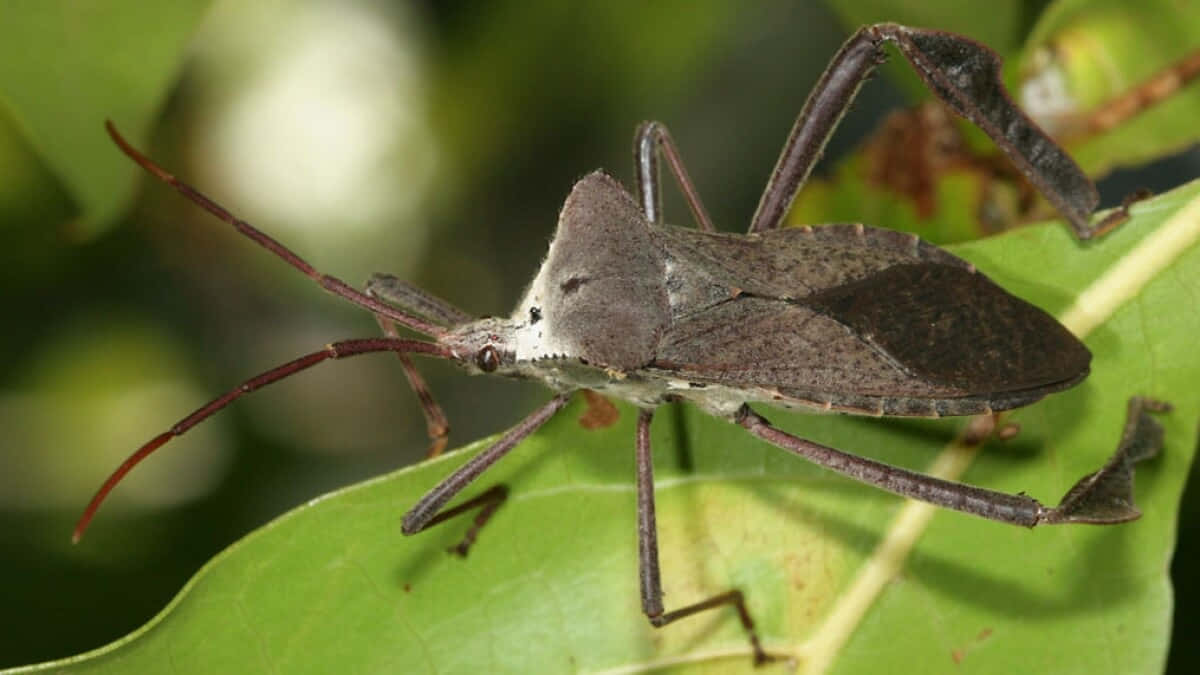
column 856, row 317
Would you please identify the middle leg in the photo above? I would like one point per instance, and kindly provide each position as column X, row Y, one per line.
column 651, row 140
column 649, row 573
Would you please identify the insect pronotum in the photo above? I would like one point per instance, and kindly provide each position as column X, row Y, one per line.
column 846, row 318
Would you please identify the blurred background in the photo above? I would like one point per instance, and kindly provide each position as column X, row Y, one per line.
column 434, row 141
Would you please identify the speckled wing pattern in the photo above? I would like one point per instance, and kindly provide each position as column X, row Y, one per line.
column 856, row 318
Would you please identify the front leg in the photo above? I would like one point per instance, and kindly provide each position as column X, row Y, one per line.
column 428, row 511
column 436, row 424
column 649, row 573
column 389, row 288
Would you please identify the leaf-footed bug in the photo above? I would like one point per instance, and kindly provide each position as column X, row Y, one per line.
column 846, row 318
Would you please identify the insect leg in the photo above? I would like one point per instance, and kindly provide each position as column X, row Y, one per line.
column 435, row 419
column 648, row 568
column 425, row 513
column 1105, row 496
column 650, row 140
column 822, row 112
column 965, row 75
column 409, row 297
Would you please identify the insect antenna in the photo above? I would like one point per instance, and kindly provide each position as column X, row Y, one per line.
column 328, row 282
column 335, row 350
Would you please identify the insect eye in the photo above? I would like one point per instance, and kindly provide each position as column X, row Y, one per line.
column 487, row 359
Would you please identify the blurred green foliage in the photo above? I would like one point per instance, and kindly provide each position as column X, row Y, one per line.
column 61, row 63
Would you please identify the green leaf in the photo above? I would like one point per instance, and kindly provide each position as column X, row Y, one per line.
column 65, row 67
column 1086, row 53
column 825, row 562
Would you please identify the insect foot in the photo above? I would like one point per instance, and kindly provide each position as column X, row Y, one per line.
column 1106, row 496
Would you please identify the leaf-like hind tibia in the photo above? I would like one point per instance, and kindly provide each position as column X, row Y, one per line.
column 1106, row 496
